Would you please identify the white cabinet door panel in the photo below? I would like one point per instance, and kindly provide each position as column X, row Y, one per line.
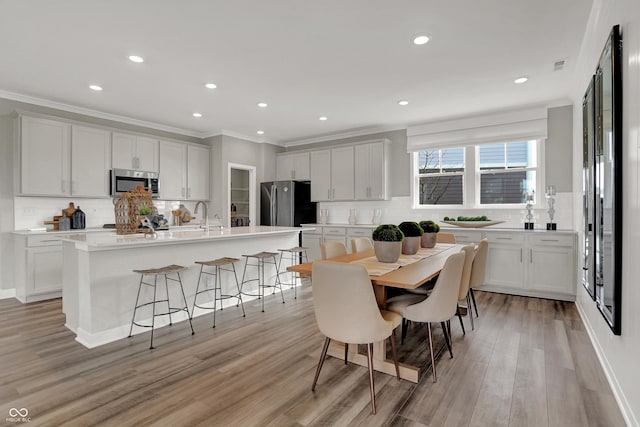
column 90, row 161
column 505, row 266
column 147, row 154
column 342, row 173
column 284, row 167
column 551, row 269
column 45, row 269
column 320, row 175
column 123, row 151
column 173, row 175
column 198, row 172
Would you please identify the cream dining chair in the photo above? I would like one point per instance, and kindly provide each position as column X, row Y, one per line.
column 445, row 238
column 440, row 306
column 463, row 294
column 361, row 244
column 346, row 310
column 332, row 249
column 478, row 270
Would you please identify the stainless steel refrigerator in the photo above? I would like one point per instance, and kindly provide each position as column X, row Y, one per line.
column 286, row 203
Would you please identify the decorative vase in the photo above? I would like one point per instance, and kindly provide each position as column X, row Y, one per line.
column 387, row 251
column 428, row 240
column 410, row 245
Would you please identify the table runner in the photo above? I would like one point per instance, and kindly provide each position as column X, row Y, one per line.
column 377, row 268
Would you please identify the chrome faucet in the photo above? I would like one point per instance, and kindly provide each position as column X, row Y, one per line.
column 204, row 223
column 145, row 223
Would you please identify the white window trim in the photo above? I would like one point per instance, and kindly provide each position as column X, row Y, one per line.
column 471, row 182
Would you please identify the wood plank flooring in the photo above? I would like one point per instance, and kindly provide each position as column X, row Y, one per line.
column 529, row 362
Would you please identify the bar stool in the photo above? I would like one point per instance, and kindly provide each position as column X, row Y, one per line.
column 295, row 256
column 261, row 259
column 155, row 272
column 217, row 284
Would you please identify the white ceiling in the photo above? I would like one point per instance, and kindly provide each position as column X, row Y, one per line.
column 350, row 60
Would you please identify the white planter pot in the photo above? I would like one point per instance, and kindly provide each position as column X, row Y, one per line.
column 410, row 245
column 387, row 251
column 429, row 240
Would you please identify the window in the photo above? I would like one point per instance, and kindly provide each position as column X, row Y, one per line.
column 440, row 176
column 507, row 172
column 477, row 175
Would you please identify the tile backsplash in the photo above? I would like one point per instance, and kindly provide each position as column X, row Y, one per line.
column 399, row 209
column 33, row 211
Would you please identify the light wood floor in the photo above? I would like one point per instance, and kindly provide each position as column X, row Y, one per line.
column 528, row 363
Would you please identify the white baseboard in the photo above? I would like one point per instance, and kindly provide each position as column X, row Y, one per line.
column 7, row 293
column 623, row 403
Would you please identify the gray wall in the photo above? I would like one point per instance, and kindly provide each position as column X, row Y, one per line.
column 399, row 160
column 558, row 149
column 6, row 201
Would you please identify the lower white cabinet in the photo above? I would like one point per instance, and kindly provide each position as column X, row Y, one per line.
column 541, row 264
column 38, row 267
column 312, row 240
column 325, row 233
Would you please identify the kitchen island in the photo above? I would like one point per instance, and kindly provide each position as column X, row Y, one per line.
column 100, row 287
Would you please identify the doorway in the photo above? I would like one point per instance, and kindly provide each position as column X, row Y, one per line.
column 241, row 195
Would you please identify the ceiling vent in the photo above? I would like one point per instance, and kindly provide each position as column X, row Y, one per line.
column 559, row 64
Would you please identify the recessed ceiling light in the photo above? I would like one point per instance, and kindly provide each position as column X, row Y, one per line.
column 260, row 132
column 197, row 115
column 403, row 102
column 421, row 39
column 520, row 80
column 262, row 104
column 95, row 87
column 135, row 58
column 210, row 86
column 323, row 118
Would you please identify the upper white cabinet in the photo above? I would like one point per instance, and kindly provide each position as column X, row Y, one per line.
column 44, row 157
column 332, row 174
column 320, row 174
column 184, row 171
column 294, row 166
column 173, row 172
column 90, row 161
column 198, row 172
column 135, row 152
column 370, row 169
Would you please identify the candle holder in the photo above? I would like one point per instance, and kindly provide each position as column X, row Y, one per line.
column 529, row 197
column 550, row 195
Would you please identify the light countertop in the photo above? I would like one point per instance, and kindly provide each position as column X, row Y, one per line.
column 110, row 241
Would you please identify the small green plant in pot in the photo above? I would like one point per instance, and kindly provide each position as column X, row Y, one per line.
column 412, row 234
column 430, row 235
column 387, row 242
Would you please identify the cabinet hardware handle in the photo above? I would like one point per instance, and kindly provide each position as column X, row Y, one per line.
column 189, row 192
column 333, row 193
column 182, row 191
column 520, row 254
column 62, row 185
column 328, row 194
column 49, row 240
column 293, row 174
column 531, row 256
column 504, row 238
column 549, row 240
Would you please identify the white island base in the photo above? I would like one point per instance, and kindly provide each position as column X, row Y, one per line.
column 100, row 286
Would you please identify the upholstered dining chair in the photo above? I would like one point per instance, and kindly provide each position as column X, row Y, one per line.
column 346, row 310
column 440, row 306
column 463, row 294
column 332, row 248
column 478, row 270
column 445, row 238
column 361, row 244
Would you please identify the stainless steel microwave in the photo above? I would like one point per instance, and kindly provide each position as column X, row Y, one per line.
column 125, row 180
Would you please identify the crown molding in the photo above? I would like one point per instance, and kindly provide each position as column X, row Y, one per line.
column 95, row 113
column 343, row 135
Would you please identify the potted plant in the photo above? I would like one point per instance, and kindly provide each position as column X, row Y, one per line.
column 387, row 242
column 412, row 234
column 430, row 235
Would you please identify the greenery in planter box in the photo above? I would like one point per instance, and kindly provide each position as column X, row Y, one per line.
column 145, row 210
column 429, row 226
column 410, row 229
column 387, row 233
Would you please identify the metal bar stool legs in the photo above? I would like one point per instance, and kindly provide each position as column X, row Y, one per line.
column 296, row 255
column 217, row 284
column 262, row 259
column 155, row 272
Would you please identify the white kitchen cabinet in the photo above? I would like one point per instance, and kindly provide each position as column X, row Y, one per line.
column 90, row 161
column 370, row 169
column 552, row 264
column 342, row 173
column 184, row 171
column 357, row 232
column 44, row 157
column 38, row 267
column 465, row 237
column 173, row 171
column 198, row 175
column 293, row 166
column 505, row 261
column 135, row 152
column 312, row 240
column 320, row 174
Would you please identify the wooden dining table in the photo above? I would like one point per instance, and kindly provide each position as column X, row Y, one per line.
column 410, row 276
